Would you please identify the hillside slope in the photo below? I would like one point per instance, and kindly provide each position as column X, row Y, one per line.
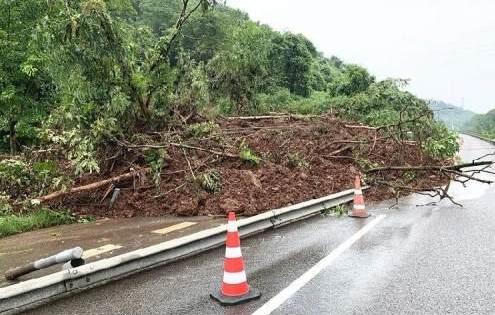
column 483, row 124
column 454, row 117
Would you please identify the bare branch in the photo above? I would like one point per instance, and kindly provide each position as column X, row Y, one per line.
column 429, row 168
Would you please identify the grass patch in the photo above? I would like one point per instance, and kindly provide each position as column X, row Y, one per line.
column 295, row 160
column 43, row 218
column 337, row 211
column 247, row 155
column 203, row 129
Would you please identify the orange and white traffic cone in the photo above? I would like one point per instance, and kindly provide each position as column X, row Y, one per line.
column 235, row 288
column 359, row 209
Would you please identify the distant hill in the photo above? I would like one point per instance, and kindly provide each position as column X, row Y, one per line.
column 453, row 116
column 483, row 124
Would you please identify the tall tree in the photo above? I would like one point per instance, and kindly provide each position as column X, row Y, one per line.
column 292, row 58
column 25, row 88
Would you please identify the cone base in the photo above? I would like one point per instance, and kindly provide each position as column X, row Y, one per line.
column 235, row 300
column 359, row 215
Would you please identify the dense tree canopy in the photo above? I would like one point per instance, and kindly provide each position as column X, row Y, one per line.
column 79, row 73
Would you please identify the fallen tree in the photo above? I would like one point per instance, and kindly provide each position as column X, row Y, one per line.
column 92, row 186
column 451, row 172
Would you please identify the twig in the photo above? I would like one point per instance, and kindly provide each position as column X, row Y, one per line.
column 168, row 192
column 348, row 147
column 230, row 155
column 178, row 145
column 469, row 177
column 188, row 163
column 343, row 157
column 428, row 168
column 109, row 190
column 484, row 156
column 288, row 116
column 361, row 127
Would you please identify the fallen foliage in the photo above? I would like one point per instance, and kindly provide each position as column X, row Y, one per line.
column 297, row 159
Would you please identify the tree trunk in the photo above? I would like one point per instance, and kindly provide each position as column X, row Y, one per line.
column 12, row 137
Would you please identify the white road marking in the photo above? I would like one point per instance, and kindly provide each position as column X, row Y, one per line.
column 295, row 286
column 175, row 227
column 100, row 250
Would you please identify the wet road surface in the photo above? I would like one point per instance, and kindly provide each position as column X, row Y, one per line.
column 417, row 260
column 103, row 238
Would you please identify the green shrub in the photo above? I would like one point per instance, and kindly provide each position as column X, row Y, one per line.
column 295, row 160
column 442, row 143
column 18, row 178
column 210, row 181
column 201, row 129
column 5, row 207
column 247, row 155
column 15, row 177
column 338, row 211
column 277, row 101
column 283, row 101
column 156, row 159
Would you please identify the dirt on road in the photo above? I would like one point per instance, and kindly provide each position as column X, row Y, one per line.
column 300, row 159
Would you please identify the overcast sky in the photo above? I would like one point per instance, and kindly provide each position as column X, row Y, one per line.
column 446, row 47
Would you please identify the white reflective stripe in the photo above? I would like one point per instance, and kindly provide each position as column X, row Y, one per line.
column 233, row 252
column 358, row 192
column 234, row 277
column 359, row 207
column 231, row 226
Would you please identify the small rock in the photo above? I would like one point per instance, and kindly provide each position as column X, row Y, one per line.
column 303, row 176
column 230, row 204
column 187, row 207
column 254, row 179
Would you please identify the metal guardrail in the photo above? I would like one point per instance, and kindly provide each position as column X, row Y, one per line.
column 35, row 292
column 492, row 141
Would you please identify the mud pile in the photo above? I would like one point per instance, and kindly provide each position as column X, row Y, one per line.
column 300, row 159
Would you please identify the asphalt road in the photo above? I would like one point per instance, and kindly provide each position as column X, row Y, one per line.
column 417, row 260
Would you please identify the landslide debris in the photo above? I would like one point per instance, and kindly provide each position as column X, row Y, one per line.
column 246, row 165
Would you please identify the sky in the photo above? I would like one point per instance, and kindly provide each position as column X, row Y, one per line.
column 445, row 47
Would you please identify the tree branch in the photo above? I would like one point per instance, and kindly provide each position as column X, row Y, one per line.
column 428, row 168
column 92, row 186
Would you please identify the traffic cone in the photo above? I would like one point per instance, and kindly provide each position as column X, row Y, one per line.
column 359, row 209
column 234, row 289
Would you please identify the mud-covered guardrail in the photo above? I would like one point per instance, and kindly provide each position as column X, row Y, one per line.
column 32, row 293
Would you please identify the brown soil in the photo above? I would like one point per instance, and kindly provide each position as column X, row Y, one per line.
column 248, row 189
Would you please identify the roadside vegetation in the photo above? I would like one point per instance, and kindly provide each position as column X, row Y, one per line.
column 107, row 94
column 41, row 218
column 483, row 125
column 337, row 211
